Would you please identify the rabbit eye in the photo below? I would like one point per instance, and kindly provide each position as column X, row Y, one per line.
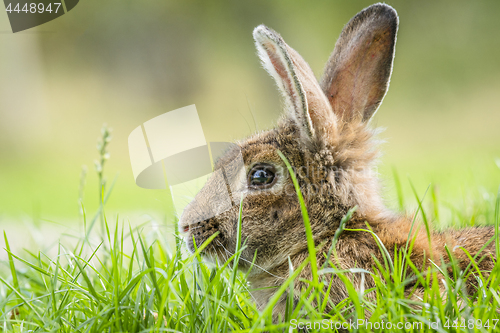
column 261, row 176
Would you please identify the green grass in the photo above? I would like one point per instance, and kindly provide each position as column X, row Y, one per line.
column 116, row 278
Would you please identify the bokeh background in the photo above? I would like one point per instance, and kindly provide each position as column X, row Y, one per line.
column 125, row 62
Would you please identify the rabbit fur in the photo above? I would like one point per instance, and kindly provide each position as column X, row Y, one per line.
column 324, row 133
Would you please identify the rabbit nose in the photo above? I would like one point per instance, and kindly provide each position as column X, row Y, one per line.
column 183, row 223
column 183, row 227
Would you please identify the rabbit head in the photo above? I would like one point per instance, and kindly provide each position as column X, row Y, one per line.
column 324, row 135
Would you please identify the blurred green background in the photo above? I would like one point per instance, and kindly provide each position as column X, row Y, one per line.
column 125, row 62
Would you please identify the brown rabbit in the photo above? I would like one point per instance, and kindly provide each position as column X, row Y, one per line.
column 325, row 136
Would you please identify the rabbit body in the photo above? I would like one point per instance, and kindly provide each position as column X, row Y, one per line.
column 325, row 136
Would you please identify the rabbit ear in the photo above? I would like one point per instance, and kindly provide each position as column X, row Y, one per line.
column 304, row 101
column 357, row 74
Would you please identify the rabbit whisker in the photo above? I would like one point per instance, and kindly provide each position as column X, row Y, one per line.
column 195, row 227
column 224, row 255
column 279, row 277
column 246, row 288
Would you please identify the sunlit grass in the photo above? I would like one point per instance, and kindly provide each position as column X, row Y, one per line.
column 116, row 278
